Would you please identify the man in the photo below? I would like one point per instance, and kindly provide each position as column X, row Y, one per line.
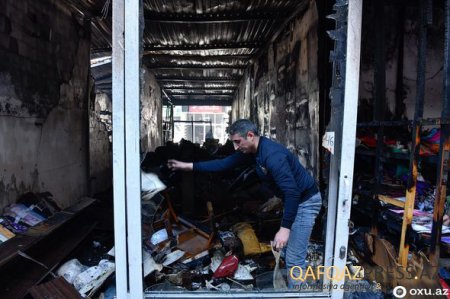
column 281, row 170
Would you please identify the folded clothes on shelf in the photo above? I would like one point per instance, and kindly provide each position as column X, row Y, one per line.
column 416, row 212
column 426, row 228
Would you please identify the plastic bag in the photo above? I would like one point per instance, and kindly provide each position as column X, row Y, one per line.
column 93, row 277
column 151, row 185
column 70, row 269
column 278, row 279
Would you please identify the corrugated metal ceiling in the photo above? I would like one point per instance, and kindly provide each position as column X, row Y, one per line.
column 198, row 49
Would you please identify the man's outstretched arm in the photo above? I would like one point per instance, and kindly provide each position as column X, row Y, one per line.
column 217, row 165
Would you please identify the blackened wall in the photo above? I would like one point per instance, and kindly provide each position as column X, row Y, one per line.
column 280, row 92
column 151, row 112
column 44, row 70
column 100, row 143
column 400, row 89
column 100, row 130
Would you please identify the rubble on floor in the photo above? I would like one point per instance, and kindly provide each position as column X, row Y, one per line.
column 37, row 235
column 85, row 280
column 224, row 247
column 227, row 253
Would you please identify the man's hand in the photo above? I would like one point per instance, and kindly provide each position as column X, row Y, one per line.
column 178, row 165
column 281, row 238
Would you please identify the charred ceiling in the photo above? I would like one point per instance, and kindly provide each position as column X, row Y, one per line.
column 198, row 50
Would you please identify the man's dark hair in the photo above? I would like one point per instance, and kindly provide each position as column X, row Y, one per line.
column 242, row 127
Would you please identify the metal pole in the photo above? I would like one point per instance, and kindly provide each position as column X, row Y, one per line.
column 192, row 128
column 172, row 125
column 132, row 146
column 348, row 139
column 210, row 128
column 118, row 110
column 444, row 147
column 337, row 56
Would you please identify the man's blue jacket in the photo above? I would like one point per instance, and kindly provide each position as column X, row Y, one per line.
column 276, row 166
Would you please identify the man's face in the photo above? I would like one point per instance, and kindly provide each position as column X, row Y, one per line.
column 242, row 144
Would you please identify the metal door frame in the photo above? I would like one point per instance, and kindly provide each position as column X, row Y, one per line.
column 126, row 158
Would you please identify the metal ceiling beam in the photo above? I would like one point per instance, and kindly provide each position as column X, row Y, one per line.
column 104, row 90
column 102, row 77
column 201, row 96
column 101, row 50
column 151, row 49
column 202, row 52
column 198, row 102
column 198, row 94
column 226, row 17
column 190, row 47
column 208, row 66
column 227, row 56
column 102, row 82
column 197, row 79
column 200, row 88
column 103, row 85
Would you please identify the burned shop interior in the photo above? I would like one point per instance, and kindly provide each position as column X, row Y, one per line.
column 201, row 66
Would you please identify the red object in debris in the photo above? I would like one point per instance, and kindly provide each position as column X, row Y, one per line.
column 444, row 286
column 227, row 268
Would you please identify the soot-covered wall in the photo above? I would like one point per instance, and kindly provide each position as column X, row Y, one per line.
column 44, row 84
column 151, row 112
column 400, row 44
column 280, row 92
column 100, row 129
column 100, row 143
